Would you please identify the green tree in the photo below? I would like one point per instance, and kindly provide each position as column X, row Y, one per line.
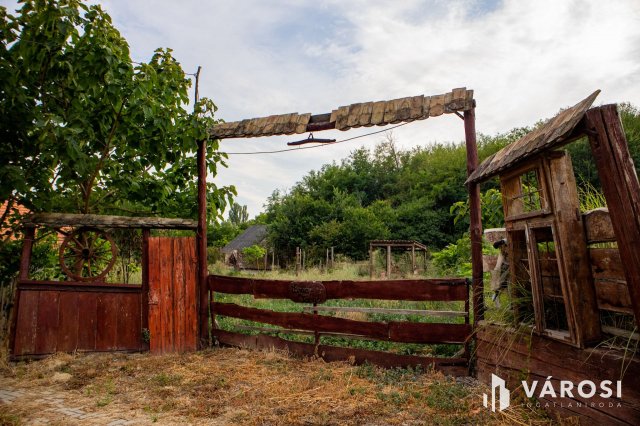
column 85, row 128
column 238, row 214
column 254, row 255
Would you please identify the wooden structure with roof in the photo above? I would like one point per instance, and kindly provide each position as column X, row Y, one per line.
column 406, row 245
column 569, row 295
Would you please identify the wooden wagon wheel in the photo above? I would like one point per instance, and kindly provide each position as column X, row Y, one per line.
column 87, row 254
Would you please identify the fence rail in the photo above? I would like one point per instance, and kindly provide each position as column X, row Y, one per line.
column 311, row 321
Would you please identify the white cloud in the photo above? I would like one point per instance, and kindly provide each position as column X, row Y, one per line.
column 525, row 60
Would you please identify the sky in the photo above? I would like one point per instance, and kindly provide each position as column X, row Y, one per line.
column 524, row 59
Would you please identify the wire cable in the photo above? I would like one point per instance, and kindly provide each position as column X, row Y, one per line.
column 314, row 146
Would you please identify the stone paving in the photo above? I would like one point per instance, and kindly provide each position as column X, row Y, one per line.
column 54, row 403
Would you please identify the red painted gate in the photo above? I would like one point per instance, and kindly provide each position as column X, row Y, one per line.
column 172, row 294
column 69, row 316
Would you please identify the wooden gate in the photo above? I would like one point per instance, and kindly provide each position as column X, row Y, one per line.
column 67, row 317
column 172, row 294
column 317, row 319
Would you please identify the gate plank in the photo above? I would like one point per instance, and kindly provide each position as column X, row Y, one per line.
column 155, row 309
column 88, row 311
column 68, row 319
column 106, row 323
column 47, row 322
column 128, row 322
column 166, row 286
column 26, row 323
column 178, row 305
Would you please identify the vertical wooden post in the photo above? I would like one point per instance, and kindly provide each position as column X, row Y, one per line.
column 25, row 261
column 413, row 259
column 25, row 258
column 201, row 243
column 621, row 189
column 145, row 283
column 327, row 261
column 370, row 261
column 388, row 262
column 331, row 257
column 475, row 228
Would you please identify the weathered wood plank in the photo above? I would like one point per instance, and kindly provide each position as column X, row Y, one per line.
column 68, row 322
column 178, row 298
column 26, row 328
column 107, row 320
column 452, row 289
column 598, row 227
column 155, row 292
column 554, row 133
column 81, row 287
column 304, row 321
column 587, row 413
column 47, row 323
column 452, row 366
column 166, row 292
column 128, row 325
column 546, row 356
column 407, row 332
column 104, row 221
column 582, row 310
column 88, row 311
column 436, row 105
column 606, row 264
column 621, row 189
column 613, row 296
column 191, row 296
column 421, row 312
column 348, row 116
column 475, row 217
column 144, row 299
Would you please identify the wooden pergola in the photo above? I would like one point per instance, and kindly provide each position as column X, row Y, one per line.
column 459, row 101
column 395, row 244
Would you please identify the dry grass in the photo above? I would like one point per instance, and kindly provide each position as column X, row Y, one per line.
column 235, row 386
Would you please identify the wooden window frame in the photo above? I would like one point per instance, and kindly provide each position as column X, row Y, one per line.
column 512, row 183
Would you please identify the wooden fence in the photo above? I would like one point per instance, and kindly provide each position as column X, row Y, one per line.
column 67, row 317
column 311, row 321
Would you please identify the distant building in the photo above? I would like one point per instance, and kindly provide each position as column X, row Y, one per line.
column 253, row 235
column 5, row 231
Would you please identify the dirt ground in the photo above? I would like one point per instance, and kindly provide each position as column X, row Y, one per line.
column 234, row 386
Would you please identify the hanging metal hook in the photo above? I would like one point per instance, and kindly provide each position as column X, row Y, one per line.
column 310, row 139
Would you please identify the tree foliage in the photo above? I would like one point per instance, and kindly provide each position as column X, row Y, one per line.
column 381, row 193
column 87, row 129
column 414, row 194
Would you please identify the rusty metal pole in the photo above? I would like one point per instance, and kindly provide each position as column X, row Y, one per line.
column 475, row 228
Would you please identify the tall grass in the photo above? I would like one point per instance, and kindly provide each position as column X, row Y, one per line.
column 590, row 197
